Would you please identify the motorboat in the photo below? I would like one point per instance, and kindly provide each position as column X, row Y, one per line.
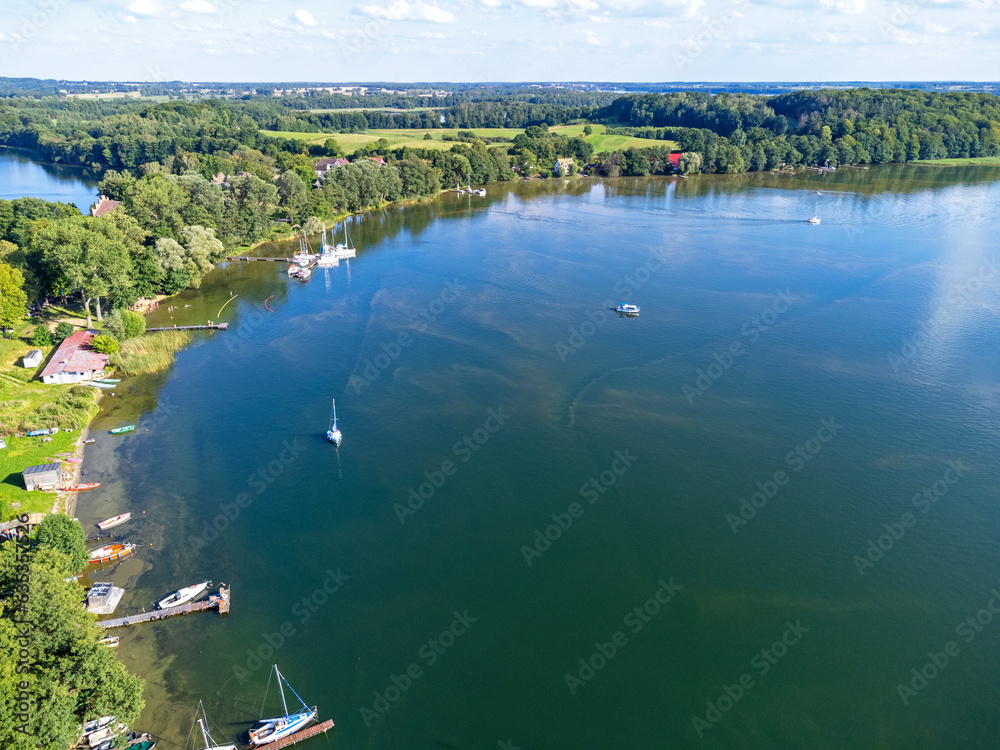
column 625, row 309
column 111, row 553
column 183, row 596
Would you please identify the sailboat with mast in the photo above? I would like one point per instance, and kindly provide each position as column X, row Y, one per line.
column 333, row 434
column 271, row 730
column 202, row 721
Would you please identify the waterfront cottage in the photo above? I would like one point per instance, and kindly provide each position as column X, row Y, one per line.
column 562, row 167
column 323, row 166
column 32, row 358
column 42, row 477
column 74, row 360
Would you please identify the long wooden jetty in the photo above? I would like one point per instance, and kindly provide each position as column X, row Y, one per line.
column 218, row 601
column 214, row 326
column 305, row 734
column 256, row 257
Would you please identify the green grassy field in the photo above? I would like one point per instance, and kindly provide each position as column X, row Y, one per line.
column 414, row 138
column 958, row 162
column 25, row 405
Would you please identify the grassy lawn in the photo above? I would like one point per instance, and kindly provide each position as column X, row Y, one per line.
column 26, row 405
column 602, row 142
column 958, row 162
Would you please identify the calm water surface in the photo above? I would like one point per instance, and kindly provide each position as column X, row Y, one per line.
column 756, row 331
column 20, row 176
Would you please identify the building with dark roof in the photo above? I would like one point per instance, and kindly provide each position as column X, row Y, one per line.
column 42, row 477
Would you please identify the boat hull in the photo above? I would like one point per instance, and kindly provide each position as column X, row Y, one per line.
column 81, row 487
column 114, row 521
column 272, row 730
column 182, row 596
column 121, row 430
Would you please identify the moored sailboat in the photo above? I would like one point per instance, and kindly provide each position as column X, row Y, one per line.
column 271, row 730
column 333, row 434
column 183, row 596
column 202, row 722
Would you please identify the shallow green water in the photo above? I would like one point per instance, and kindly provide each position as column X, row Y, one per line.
column 460, row 314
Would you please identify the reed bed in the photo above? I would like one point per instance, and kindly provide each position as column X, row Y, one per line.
column 150, row 352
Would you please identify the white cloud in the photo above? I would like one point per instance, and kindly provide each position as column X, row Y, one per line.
column 145, row 8
column 198, row 6
column 850, row 7
column 130, row 19
column 656, row 23
column 934, row 28
column 401, row 10
column 305, row 17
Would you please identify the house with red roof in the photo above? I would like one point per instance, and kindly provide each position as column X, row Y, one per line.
column 75, row 361
column 103, row 206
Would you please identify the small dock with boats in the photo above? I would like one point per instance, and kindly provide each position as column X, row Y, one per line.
column 213, row 327
column 218, row 601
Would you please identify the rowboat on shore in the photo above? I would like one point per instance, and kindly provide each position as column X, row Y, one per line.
column 111, row 553
column 120, row 430
column 81, row 487
column 90, row 441
column 114, row 521
column 107, row 380
column 110, row 641
column 98, row 384
column 74, row 460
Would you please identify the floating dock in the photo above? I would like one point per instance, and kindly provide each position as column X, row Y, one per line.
column 252, row 258
column 305, row 734
column 214, row 326
column 218, row 601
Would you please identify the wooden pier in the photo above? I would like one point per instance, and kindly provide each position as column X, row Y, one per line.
column 252, row 258
column 214, row 326
column 305, row 734
column 218, row 601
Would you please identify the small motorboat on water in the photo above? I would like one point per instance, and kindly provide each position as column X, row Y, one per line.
column 183, row 596
column 271, row 730
column 114, row 521
column 333, row 434
column 814, row 220
column 110, row 641
column 624, row 309
column 81, row 487
column 111, row 553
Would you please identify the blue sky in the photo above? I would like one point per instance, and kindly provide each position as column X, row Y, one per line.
column 501, row 40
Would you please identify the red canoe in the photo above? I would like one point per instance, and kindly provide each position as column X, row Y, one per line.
column 74, row 460
column 81, row 487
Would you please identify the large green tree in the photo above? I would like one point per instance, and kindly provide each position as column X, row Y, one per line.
column 13, row 300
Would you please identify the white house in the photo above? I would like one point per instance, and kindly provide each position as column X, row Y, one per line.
column 75, row 361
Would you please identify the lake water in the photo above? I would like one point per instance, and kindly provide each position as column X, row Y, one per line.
column 20, row 176
column 751, row 511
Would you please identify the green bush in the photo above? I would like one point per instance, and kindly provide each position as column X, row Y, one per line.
column 63, row 331
column 125, row 324
column 427, row 137
column 104, row 344
column 42, row 336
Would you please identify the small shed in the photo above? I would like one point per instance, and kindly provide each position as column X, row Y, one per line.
column 103, row 598
column 32, row 358
column 42, row 477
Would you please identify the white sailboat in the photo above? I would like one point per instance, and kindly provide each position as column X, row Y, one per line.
column 270, row 730
column 333, row 434
column 184, row 595
column 202, row 722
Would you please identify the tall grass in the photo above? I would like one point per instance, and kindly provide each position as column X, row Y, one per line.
column 150, row 352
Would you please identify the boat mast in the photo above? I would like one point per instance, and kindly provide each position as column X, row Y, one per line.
column 280, row 680
column 335, row 414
